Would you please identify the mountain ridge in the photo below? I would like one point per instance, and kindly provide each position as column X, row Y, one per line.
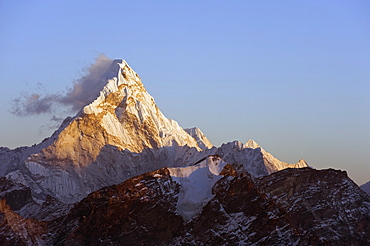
column 109, row 132
column 111, row 173
column 277, row 209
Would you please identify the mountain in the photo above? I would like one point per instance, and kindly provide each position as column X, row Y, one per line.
column 119, row 135
column 120, row 172
column 107, row 134
column 366, row 187
column 254, row 159
column 124, row 115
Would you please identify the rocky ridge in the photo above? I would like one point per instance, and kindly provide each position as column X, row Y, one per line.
column 290, row 207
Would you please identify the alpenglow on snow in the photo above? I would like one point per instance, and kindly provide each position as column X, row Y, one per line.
column 119, row 135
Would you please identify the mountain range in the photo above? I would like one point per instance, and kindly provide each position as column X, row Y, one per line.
column 121, row 173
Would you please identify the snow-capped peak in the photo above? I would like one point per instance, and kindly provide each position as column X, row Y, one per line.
column 118, row 74
column 129, row 113
column 198, row 135
column 123, row 115
column 121, row 134
column 251, row 144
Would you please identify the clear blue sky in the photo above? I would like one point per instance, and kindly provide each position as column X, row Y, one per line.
column 292, row 75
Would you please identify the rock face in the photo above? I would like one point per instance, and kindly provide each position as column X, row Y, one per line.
column 142, row 210
column 324, row 206
column 366, row 187
column 290, row 207
column 15, row 229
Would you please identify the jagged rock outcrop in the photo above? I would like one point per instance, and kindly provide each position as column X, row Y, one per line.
column 290, row 207
column 324, row 206
column 14, row 228
column 20, row 200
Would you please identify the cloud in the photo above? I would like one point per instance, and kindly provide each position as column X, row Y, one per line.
column 34, row 104
column 83, row 91
column 87, row 88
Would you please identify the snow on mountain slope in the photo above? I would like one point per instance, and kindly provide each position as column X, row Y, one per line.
column 112, row 166
column 196, row 184
column 255, row 159
column 12, row 159
column 198, row 135
column 291, row 207
column 124, row 115
column 273, row 164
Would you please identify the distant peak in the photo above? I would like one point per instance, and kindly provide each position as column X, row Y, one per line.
column 251, row 144
column 301, row 163
column 201, row 139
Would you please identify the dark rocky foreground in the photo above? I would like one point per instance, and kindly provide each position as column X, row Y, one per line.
column 291, row 207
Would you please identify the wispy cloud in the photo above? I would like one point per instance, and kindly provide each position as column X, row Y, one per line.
column 26, row 105
column 87, row 88
column 83, row 91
